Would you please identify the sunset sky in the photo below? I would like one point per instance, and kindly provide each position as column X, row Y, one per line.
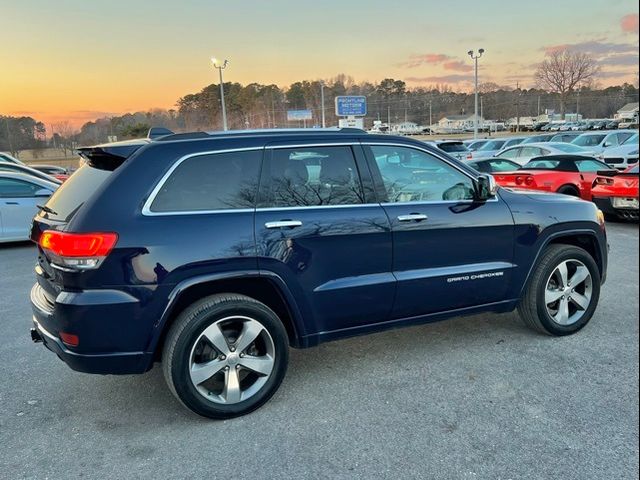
column 78, row 60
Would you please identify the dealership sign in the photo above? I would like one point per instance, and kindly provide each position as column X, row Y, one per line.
column 351, row 106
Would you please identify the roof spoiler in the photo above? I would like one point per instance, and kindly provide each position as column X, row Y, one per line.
column 155, row 132
column 108, row 157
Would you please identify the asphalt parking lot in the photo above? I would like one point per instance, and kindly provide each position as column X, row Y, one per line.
column 476, row 397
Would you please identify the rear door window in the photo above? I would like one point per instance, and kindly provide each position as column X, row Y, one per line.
column 211, row 182
column 312, row 176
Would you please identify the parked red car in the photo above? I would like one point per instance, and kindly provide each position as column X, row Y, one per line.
column 567, row 174
column 617, row 194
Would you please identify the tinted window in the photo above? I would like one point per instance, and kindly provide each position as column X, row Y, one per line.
column 75, row 191
column 10, row 188
column 502, row 166
column 543, row 164
column 568, row 147
column 411, row 175
column 313, row 176
column 218, row 181
column 511, row 143
column 452, row 147
column 591, row 166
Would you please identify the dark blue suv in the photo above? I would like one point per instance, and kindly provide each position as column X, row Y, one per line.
column 214, row 253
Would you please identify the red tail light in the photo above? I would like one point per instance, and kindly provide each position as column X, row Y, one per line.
column 77, row 250
column 602, row 181
column 528, row 181
column 519, row 180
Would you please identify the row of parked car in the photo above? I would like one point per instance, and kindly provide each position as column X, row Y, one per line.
column 617, row 148
column 22, row 189
column 595, row 166
column 579, row 164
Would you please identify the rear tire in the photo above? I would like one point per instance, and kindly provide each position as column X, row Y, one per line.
column 551, row 304
column 225, row 356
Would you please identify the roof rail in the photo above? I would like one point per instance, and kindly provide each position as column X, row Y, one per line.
column 258, row 132
column 155, row 132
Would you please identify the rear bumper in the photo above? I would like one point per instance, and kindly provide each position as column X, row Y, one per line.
column 606, row 205
column 106, row 363
column 73, row 317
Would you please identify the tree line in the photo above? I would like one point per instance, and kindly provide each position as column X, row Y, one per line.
column 265, row 106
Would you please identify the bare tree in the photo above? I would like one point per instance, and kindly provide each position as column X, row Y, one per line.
column 563, row 71
column 65, row 133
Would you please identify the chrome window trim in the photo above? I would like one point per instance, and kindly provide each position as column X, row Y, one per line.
column 146, row 208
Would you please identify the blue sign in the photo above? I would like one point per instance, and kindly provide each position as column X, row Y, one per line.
column 299, row 115
column 351, row 106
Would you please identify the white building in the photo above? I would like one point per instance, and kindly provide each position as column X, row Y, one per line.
column 458, row 122
column 628, row 112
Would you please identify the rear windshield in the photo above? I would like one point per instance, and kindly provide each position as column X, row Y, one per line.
column 72, row 194
column 453, row 147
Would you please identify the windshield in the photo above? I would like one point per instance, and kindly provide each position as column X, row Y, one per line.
column 588, row 140
column 492, row 145
column 75, row 191
column 633, row 170
column 543, row 164
column 453, row 147
column 631, row 139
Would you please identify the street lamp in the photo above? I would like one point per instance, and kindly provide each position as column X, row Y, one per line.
column 475, row 58
column 324, row 124
column 221, row 67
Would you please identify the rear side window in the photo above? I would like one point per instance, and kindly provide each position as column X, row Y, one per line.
column 72, row 194
column 220, row 181
column 312, row 176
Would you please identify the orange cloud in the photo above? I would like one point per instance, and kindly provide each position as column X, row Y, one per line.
column 629, row 23
column 458, row 66
column 448, row 62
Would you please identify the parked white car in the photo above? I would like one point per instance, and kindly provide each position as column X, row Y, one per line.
column 522, row 154
column 493, row 147
column 623, row 156
column 20, row 196
column 598, row 142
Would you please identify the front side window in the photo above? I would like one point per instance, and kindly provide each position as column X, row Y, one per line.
column 313, row 176
column 588, row 140
column 411, row 175
column 11, row 188
column 502, row 166
column 219, row 181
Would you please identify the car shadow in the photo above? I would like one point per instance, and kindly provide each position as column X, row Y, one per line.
column 147, row 396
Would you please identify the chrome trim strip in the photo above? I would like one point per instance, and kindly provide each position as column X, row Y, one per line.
column 146, row 208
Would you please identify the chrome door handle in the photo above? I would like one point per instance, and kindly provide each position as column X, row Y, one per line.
column 284, row 224
column 412, row 217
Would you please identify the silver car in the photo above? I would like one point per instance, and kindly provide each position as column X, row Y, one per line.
column 622, row 157
column 522, row 154
column 20, row 196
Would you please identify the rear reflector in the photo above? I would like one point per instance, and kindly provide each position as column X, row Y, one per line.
column 69, row 339
column 78, row 244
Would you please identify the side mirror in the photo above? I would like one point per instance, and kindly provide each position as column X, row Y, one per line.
column 43, row 192
column 607, row 144
column 486, row 187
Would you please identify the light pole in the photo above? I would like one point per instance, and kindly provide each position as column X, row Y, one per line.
column 324, row 124
column 475, row 58
column 224, row 110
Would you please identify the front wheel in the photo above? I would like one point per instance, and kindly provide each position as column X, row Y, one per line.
column 563, row 291
column 225, row 356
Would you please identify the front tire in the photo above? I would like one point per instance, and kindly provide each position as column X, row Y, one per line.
column 225, row 356
column 563, row 291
